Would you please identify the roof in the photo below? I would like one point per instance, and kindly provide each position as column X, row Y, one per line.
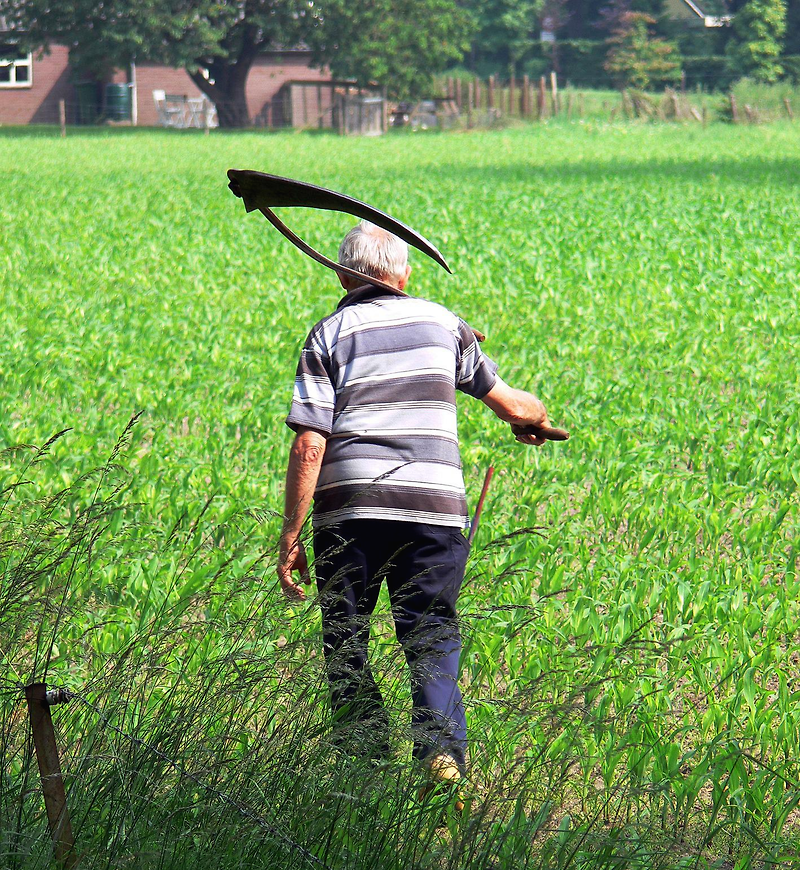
column 682, row 7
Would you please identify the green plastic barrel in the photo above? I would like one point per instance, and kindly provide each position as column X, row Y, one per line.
column 88, row 97
column 118, row 102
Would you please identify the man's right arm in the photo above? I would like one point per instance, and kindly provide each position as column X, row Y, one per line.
column 518, row 408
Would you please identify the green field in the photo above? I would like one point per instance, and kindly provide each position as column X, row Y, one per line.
column 631, row 611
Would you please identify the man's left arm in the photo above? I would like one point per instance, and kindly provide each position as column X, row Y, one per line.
column 305, row 461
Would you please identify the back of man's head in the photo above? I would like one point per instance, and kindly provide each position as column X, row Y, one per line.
column 375, row 252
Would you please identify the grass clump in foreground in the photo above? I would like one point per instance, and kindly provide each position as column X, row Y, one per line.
column 629, row 668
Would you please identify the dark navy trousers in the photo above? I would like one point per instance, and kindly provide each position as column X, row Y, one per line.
column 423, row 566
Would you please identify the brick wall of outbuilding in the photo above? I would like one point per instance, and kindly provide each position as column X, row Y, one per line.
column 38, row 104
column 52, row 81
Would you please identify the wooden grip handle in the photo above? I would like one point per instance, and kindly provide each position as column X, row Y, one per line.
column 548, row 432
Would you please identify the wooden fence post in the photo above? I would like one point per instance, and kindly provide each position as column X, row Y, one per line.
column 569, row 106
column 458, row 94
column 55, row 798
column 477, row 92
column 526, row 96
column 541, row 101
column 62, row 117
column 554, row 91
column 511, row 106
column 490, row 93
column 470, row 99
column 788, row 106
column 734, row 109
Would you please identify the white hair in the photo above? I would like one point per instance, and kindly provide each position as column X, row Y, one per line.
column 374, row 251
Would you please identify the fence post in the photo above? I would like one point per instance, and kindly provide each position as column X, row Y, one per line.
column 734, row 109
column 477, row 91
column 526, row 96
column 62, row 117
column 511, row 95
column 458, row 95
column 569, row 106
column 554, row 91
column 490, row 93
column 470, row 99
column 788, row 106
column 540, row 103
column 55, row 798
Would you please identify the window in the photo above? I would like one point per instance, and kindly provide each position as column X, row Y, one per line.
column 16, row 68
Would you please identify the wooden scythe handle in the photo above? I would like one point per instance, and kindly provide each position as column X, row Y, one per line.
column 548, row 432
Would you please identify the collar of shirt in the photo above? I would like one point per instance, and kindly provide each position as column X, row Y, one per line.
column 365, row 293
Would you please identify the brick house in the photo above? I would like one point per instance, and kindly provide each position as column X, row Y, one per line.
column 31, row 85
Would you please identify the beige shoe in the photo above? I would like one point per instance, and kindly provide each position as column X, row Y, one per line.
column 444, row 774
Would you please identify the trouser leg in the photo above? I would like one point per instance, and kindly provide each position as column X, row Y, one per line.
column 424, row 585
column 348, row 595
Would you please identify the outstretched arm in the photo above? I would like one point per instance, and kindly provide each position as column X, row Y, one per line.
column 305, row 461
column 518, row 408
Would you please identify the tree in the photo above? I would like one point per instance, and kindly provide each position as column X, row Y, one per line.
column 215, row 41
column 755, row 47
column 506, row 31
column 397, row 44
column 637, row 59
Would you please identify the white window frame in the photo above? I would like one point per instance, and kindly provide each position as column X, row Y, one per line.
column 15, row 64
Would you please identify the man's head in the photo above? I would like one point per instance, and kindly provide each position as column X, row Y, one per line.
column 375, row 252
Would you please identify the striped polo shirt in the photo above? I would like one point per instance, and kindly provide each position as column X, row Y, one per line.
column 378, row 378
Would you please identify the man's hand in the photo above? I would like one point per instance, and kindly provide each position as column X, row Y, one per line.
column 523, row 438
column 292, row 557
column 518, row 408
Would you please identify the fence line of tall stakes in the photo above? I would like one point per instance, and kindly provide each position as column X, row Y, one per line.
column 474, row 103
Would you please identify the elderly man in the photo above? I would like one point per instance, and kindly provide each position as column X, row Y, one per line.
column 374, row 412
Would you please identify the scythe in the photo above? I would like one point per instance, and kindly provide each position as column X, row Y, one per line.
column 263, row 192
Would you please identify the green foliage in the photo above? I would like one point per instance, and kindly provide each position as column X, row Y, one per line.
column 630, row 665
column 398, row 44
column 636, row 58
column 758, row 30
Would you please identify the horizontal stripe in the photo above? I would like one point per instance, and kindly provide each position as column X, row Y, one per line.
column 320, row 520
column 424, row 474
column 406, row 418
column 426, row 389
column 415, row 448
column 386, row 338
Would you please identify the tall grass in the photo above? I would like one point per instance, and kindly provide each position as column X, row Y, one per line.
column 198, row 734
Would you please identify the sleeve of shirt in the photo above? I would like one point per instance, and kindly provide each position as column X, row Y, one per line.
column 314, row 394
column 477, row 374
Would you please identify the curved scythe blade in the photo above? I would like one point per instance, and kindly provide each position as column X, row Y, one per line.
column 262, row 192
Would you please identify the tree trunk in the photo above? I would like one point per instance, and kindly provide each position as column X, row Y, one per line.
column 229, row 89
column 228, row 93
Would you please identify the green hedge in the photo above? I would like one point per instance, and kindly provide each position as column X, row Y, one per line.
column 710, row 72
column 791, row 67
column 580, row 62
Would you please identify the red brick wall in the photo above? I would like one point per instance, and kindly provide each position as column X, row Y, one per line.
column 268, row 75
column 52, row 82
column 38, row 104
